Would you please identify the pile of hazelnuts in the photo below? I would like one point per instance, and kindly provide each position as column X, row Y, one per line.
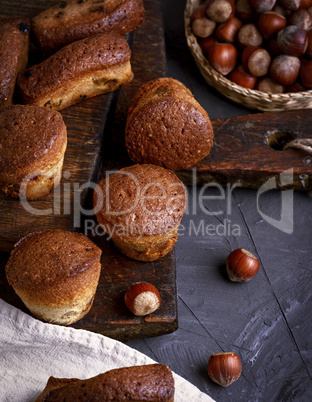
column 258, row 44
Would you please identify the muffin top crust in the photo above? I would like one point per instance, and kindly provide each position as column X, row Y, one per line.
column 140, row 199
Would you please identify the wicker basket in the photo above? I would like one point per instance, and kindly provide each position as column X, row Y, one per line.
column 249, row 98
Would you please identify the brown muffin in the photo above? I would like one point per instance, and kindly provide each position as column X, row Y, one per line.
column 32, row 145
column 166, row 126
column 55, row 273
column 151, row 382
column 14, row 46
column 73, row 20
column 141, row 207
column 81, row 70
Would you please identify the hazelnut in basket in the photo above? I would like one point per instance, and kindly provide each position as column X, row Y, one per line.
column 258, row 55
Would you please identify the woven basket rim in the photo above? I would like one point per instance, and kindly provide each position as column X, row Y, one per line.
column 251, row 98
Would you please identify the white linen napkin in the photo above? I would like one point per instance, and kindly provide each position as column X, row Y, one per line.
column 31, row 351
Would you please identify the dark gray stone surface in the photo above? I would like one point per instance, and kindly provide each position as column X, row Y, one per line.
column 266, row 321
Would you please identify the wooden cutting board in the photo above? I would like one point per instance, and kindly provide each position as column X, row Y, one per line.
column 95, row 133
column 248, row 152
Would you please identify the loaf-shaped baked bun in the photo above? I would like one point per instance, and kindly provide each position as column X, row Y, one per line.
column 14, row 46
column 55, row 273
column 151, row 382
column 166, row 126
column 33, row 141
column 141, row 207
column 81, row 70
column 73, row 20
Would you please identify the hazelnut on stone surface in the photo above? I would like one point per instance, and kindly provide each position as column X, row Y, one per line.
column 224, row 368
column 241, row 265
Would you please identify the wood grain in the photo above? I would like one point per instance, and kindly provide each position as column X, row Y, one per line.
column 241, row 153
column 95, row 145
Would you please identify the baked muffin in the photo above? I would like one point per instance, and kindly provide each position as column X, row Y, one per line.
column 32, row 145
column 73, row 20
column 56, row 274
column 141, row 207
column 151, row 382
column 14, row 47
column 166, row 126
column 81, row 70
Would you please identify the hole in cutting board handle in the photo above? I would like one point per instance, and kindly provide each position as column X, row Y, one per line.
column 278, row 139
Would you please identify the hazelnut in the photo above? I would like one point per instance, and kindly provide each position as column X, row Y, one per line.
column 227, row 31
column 249, row 35
column 200, row 24
column 268, row 86
column 290, row 4
column 270, row 23
column 224, row 368
column 285, row 69
column 256, row 60
column 244, row 12
column 223, row 57
column 241, row 77
column 220, row 10
column 260, row 6
column 280, row 10
column 306, row 74
column 301, row 18
column 295, row 87
column 203, row 27
column 142, row 298
column 293, row 40
column 308, row 52
column 305, row 3
column 241, row 265
column 273, row 48
column 206, row 44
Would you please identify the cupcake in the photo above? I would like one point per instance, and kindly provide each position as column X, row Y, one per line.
column 81, row 70
column 150, row 382
column 141, row 207
column 166, row 126
column 56, row 274
column 32, row 146
column 73, row 20
column 14, row 48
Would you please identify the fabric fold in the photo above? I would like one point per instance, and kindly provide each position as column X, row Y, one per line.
column 31, row 351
